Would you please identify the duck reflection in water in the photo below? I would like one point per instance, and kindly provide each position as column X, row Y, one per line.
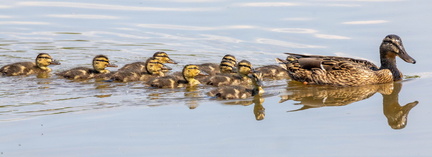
column 397, row 116
column 192, row 93
column 259, row 110
column 321, row 96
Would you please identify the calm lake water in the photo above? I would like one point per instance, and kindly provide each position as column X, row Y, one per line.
column 58, row 117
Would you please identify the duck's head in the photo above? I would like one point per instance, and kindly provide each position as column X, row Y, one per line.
column 244, row 67
column 163, row 57
column 228, row 64
column 43, row 60
column 392, row 46
column 100, row 62
column 189, row 73
column 256, row 81
column 155, row 67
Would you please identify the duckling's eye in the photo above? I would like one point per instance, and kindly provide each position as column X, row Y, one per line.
column 244, row 66
column 45, row 57
column 102, row 60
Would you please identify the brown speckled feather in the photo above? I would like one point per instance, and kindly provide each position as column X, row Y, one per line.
column 272, row 72
column 136, row 66
column 79, row 73
column 20, row 68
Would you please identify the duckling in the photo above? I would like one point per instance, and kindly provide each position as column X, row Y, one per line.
column 43, row 60
column 141, row 66
column 227, row 65
column 343, row 71
column 244, row 68
column 239, row 92
column 100, row 62
column 272, row 72
column 189, row 72
column 154, row 68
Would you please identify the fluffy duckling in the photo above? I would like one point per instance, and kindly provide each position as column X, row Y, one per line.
column 100, row 62
column 141, row 66
column 154, row 68
column 189, row 72
column 272, row 72
column 244, row 68
column 43, row 60
column 227, row 65
column 239, row 92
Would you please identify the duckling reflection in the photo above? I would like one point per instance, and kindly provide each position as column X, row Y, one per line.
column 192, row 93
column 259, row 110
column 320, row 96
column 397, row 116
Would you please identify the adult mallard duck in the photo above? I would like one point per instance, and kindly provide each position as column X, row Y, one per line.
column 239, row 92
column 154, row 68
column 141, row 66
column 189, row 72
column 342, row 71
column 100, row 62
column 244, row 67
column 43, row 60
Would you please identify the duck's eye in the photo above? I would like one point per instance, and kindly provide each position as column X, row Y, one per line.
column 102, row 60
column 247, row 66
column 45, row 57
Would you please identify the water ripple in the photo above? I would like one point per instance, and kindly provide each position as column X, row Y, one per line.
column 108, row 6
column 84, row 16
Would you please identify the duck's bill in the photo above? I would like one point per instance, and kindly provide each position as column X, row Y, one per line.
column 203, row 74
column 55, row 62
column 112, row 65
column 171, row 61
column 404, row 55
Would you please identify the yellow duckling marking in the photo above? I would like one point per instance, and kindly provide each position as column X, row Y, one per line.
column 42, row 61
column 228, row 64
